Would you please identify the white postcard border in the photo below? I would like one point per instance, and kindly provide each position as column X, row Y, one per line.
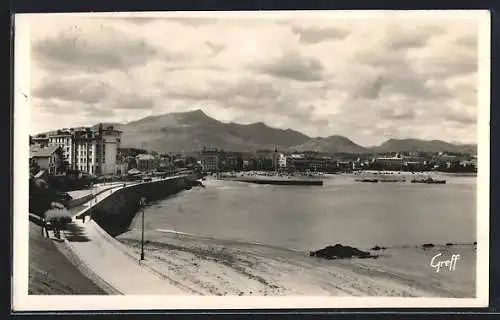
column 24, row 302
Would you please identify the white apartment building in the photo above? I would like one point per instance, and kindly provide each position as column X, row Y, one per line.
column 89, row 149
column 282, row 160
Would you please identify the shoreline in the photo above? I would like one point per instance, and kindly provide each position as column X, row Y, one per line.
column 211, row 266
column 207, row 266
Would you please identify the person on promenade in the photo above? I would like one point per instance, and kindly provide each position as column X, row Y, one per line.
column 45, row 232
column 56, row 228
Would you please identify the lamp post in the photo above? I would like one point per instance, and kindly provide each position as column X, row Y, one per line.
column 142, row 204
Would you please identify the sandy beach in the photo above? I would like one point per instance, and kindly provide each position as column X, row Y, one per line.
column 206, row 266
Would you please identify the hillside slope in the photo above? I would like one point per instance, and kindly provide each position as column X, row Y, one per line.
column 51, row 273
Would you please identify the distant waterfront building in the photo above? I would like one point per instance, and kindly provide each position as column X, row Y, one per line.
column 210, row 160
column 282, row 160
column 47, row 158
column 230, row 161
column 146, row 162
column 389, row 163
column 89, row 149
column 275, row 158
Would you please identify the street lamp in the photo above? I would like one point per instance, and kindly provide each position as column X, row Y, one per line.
column 142, row 203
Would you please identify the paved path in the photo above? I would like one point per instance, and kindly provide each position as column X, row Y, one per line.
column 111, row 261
column 77, row 194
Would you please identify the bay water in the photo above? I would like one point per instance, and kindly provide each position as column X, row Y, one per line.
column 308, row 218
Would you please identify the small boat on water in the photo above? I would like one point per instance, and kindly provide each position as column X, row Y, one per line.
column 428, row 180
column 367, row 180
column 392, row 180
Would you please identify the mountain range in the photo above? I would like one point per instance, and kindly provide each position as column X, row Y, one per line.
column 193, row 130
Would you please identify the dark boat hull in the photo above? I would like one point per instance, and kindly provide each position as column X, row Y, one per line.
column 368, row 180
column 429, row 182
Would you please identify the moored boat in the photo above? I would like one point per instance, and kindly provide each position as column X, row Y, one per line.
column 428, row 180
column 367, row 180
column 392, row 180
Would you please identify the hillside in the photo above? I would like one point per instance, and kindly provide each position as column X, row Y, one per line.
column 50, row 272
column 332, row 144
column 191, row 131
column 416, row 145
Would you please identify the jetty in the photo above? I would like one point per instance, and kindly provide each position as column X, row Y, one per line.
column 280, row 182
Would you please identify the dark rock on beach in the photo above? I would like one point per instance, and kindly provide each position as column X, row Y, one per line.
column 340, row 252
column 377, row 248
column 449, row 244
column 428, row 245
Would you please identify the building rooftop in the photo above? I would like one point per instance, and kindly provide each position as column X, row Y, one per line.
column 37, row 152
column 145, row 157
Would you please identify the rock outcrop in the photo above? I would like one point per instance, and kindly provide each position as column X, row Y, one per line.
column 341, row 252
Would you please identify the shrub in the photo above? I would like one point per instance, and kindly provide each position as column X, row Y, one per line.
column 56, row 205
column 58, row 217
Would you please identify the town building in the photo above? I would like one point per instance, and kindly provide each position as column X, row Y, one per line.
column 146, row 162
column 88, row 149
column 165, row 162
column 389, row 163
column 275, row 158
column 210, row 160
column 282, row 160
column 48, row 158
column 231, row 161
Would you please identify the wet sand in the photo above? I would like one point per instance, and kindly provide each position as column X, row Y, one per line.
column 207, row 266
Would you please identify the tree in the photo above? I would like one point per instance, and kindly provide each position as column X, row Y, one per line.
column 59, row 217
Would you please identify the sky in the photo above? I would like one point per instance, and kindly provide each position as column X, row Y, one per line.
column 368, row 78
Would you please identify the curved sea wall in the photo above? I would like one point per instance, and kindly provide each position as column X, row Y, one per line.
column 115, row 213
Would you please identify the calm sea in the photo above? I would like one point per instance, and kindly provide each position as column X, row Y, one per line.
column 308, row 218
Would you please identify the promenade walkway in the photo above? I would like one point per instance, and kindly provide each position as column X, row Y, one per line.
column 77, row 194
column 110, row 260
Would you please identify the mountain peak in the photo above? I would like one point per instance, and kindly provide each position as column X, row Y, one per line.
column 194, row 115
column 258, row 124
column 197, row 112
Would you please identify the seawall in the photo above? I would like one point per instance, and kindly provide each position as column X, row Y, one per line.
column 281, row 182
column 79, row 201
column 115, row 213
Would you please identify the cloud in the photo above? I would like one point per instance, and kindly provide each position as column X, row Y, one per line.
column 315, row 35
column 294, row 66
column 133, row 101
column 194, row 21
column 371, row 90
column 468, row 42
column 83, row 50
column 216, row 48
column 94, row 111
column 75, row 89
column 400, row 39
column 400, row 113
column 462, row 118
column 366, row 79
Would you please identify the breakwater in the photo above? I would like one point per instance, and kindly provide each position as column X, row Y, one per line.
column 115, row 213
column 281, row 182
